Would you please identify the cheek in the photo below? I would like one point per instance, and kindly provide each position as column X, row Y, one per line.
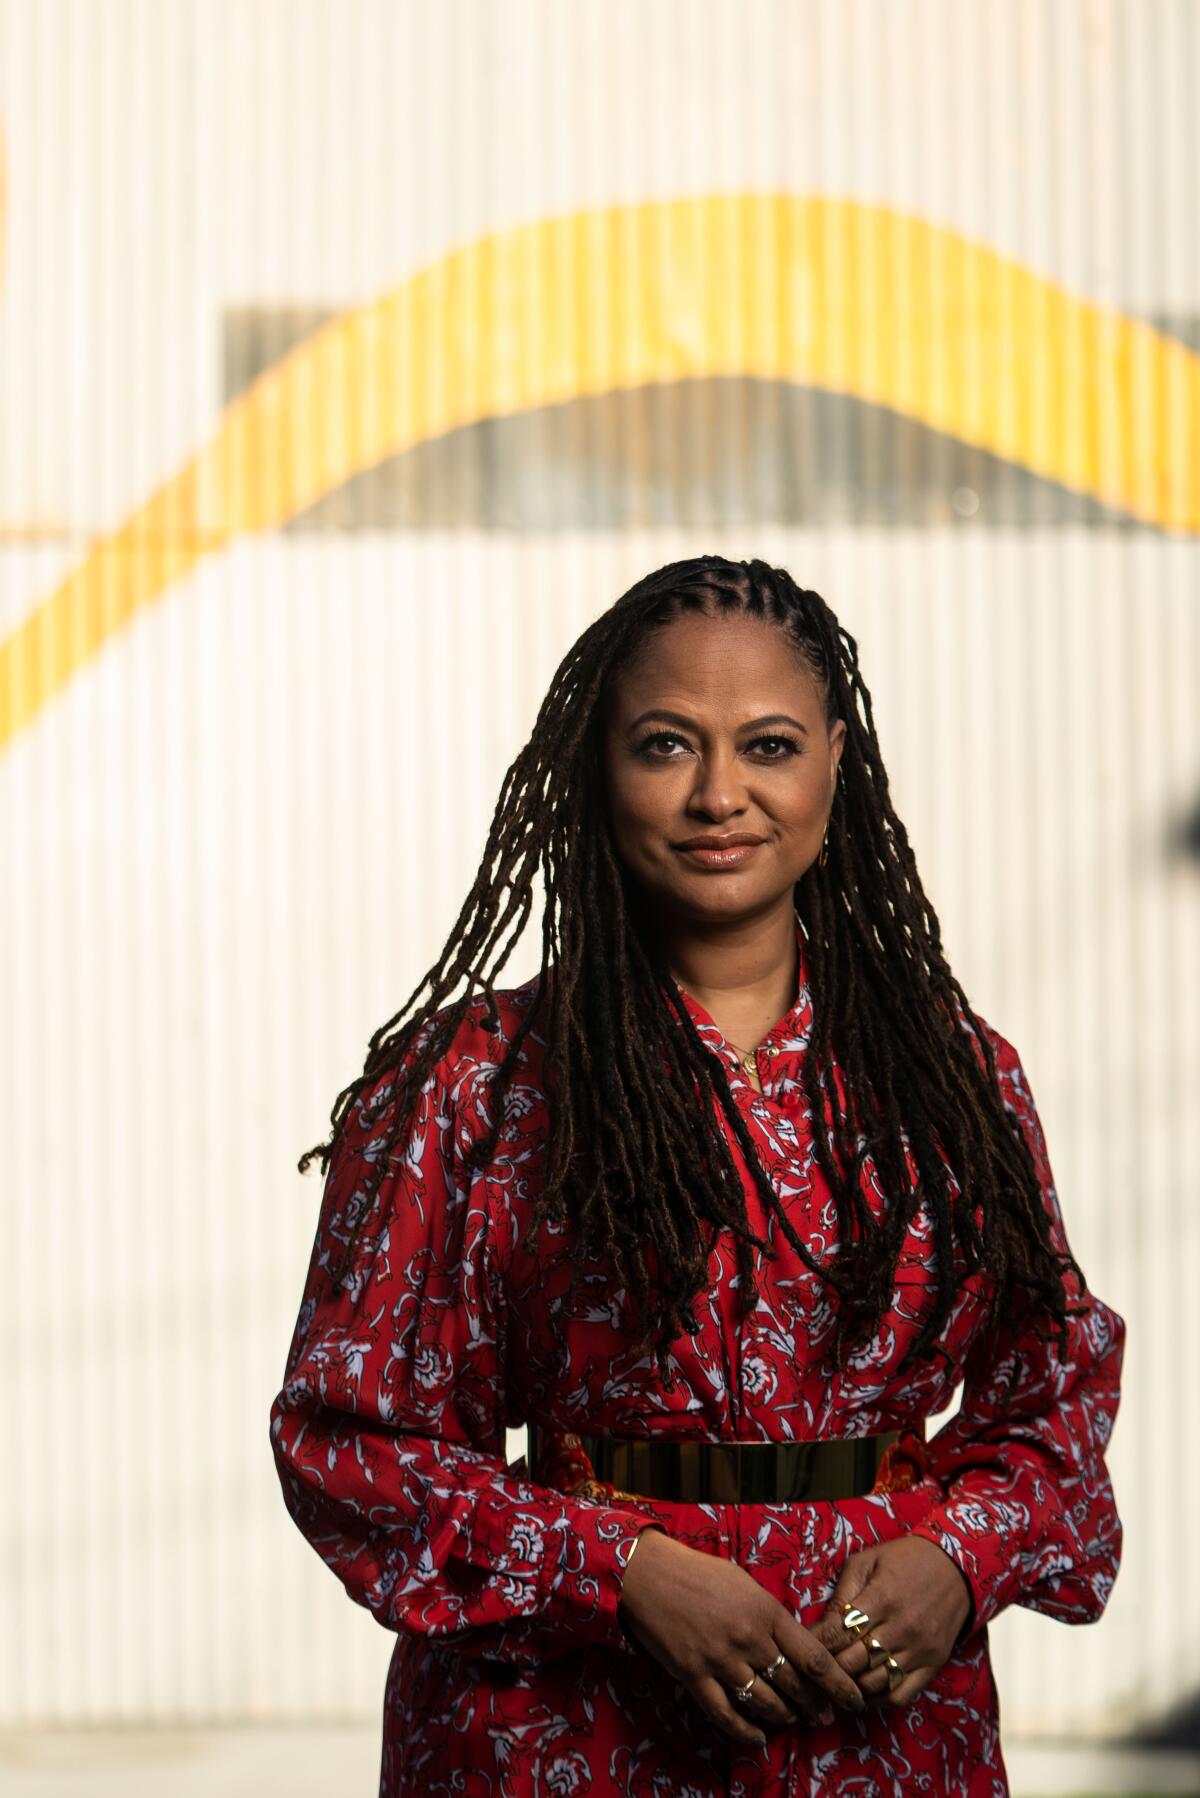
column 808, row 817
column 802, row 806
column 620, row 814
column 638, row 805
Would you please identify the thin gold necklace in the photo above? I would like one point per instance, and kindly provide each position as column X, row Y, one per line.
column 750, row 1069
column 747, row 1057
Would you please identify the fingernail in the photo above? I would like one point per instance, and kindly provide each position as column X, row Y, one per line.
column 826, row 1717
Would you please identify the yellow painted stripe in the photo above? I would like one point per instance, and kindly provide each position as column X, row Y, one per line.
column 821, row 292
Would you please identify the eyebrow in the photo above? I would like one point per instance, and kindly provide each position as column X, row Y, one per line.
column 690, row 723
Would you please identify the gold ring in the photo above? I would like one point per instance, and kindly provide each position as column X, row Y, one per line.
column 742, row 1693
column 877, row 1654
column 854, row 1620
column 776, row 1664
column 895, row 1672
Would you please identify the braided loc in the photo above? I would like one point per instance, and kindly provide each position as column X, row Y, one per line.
column 635, row 1154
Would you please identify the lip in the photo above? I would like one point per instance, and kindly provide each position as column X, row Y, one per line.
column 720, row 852
column 734, row 839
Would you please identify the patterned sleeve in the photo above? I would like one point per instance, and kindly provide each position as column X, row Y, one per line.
column 1029, row 1515
column 388, row 1433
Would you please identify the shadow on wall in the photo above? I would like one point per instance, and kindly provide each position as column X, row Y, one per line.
column 1188, row 837
column 1179, row 1729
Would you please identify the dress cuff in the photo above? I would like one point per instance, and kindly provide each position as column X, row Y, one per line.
column 610, row 1538
column 564, row 1558
column 979, row 1550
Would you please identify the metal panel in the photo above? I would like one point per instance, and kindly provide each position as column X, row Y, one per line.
column 389, row 344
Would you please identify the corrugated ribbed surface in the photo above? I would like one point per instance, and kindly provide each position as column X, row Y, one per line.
column 353, row 358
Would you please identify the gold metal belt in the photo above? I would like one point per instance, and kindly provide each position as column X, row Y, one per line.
column 733, row 1472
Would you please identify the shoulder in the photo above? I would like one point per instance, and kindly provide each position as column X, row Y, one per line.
column 415, row 1173
column 1010, row 1074
column 1012, row 1084
column 1016, row 1095
column 457, row 1088
column 489, row 1028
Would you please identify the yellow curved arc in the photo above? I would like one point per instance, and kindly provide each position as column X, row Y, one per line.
column 822, row 292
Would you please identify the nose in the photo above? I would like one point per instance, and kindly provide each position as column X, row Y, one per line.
column 717, row 790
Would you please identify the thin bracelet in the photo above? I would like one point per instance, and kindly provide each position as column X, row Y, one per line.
column 637, row 1539
column 621, row 1593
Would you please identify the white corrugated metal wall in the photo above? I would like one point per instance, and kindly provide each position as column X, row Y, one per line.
column 920, row 332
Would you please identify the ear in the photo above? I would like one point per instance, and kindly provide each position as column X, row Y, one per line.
column 837, row 742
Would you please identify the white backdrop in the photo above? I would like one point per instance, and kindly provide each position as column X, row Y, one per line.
column 241, row 822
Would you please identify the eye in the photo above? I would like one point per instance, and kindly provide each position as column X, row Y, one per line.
column 657, row 738
column 782, row 747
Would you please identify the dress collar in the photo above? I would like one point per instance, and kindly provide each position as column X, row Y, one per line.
column 788, row 1036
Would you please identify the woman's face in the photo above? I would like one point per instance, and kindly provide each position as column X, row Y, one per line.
column 716, row 735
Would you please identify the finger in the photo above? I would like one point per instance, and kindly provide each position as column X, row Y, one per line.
column 804, row 1700
column 835, row 1633
column 915, row 1680
column 865, row 1659
column 856, row 1571
column 913, row 1684
column 764, row 1702
column 855, row 1657
column 878, row 1684
column 862, row 1657
column 721, row 1711
column 876, row 1603
column 830, row 1632
column 813, row 1661
column 856, row 1593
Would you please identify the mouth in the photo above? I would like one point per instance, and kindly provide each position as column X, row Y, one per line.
column 720, row 852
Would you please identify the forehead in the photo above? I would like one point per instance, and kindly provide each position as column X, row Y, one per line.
column 728, row 663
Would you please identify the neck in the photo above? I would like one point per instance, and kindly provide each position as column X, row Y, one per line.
column 743, row 974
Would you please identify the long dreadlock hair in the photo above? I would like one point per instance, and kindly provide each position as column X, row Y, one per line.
column 635, row 1155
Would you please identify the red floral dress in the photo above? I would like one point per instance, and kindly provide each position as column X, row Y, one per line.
column 512, row 1674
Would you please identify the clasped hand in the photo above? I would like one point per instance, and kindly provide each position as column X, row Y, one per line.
column 713, row 1627
column 918, row 1604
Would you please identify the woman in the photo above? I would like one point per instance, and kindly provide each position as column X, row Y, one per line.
column 739, row 1167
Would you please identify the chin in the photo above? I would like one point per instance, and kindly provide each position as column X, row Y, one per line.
column 716, row 897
